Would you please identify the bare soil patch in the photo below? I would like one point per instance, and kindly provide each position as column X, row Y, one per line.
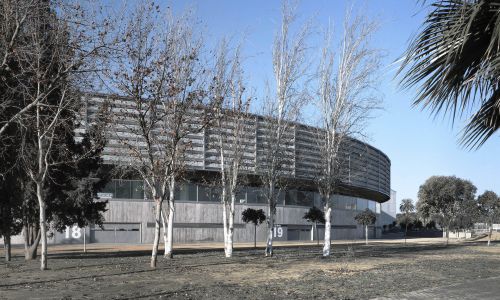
column 353, row 272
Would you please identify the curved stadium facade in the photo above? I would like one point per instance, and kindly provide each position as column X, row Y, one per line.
column 198, row 218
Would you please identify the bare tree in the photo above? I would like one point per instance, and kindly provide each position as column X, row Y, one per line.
column 275, row 161
column 81, row 28
column 59, row 47
column 346, row 103
column 159, row 73
column 230, row 132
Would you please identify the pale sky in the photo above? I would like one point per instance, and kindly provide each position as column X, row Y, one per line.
column 418, row 144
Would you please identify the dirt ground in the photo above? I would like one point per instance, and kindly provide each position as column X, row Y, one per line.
column 352, row 272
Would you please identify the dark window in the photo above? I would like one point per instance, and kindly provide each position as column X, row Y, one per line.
column 350, row 203
column 371, row 205
column 123, row 189
column 362, row 204
column 305, row 198
column 255, row 195
column 241, row 196
column 208, row 194
column 109, row 188
column 318, row 201
column 186, row 192
column 137, row 189
column 291, row 197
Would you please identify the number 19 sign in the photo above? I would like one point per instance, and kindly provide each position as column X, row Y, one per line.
column 280, row 232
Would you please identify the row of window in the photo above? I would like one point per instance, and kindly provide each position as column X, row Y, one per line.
column 134, row 189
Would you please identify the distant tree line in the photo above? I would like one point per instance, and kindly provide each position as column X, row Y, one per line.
column 450, row 203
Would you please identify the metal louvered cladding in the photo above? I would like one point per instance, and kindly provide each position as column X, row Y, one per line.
column 366, row 166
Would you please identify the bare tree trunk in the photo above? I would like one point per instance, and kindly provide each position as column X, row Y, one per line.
column 230, row 229
column 165, row 227
column 43, row 226
column 224, row 224
column 447, row 236
column 7, row 247
column 406, row 230
column 255, row 236
column 489, row 234
column 170, row 226
column 366, row 234
column 270, row 227
column 156, row 241
column 316, row 232
column 26, row 235
column 31, row 243
column 328, row 228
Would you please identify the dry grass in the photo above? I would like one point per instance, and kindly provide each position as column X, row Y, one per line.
column 354, row 271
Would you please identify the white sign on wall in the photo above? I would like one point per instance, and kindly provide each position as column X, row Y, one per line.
column 278, row 231
column 73, row 232
column 105, row 195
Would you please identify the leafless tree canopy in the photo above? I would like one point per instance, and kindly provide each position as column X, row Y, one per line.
column 160, row 77
column 229, row 132
column 282, row 108
column 346, row 98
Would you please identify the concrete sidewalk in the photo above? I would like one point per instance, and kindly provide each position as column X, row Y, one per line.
column 485, row 289
column 214, row 246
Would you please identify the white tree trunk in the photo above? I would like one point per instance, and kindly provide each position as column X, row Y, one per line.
column 224, row 222
column 270, row 227
column 328, row 228
column 170, row 227
column 366, row 234
column 230, row 230
column 489, row 234
column 156, row 241
column 170, row 224
column 164, row 226
column 43, row 226
column 7, row 247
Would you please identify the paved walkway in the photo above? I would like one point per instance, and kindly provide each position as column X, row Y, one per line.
column 215, row 246
column 484, row 289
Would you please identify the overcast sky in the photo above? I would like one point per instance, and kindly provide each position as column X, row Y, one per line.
column 418, row 144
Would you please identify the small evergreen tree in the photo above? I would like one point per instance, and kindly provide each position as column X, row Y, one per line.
column 315, row 216
column 256, row 216
column 10, row 209
column 72, row 188
column 489, row 207
column 365, row 218
column 407, row 208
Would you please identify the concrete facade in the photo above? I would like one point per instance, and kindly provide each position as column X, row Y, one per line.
column 129, row 218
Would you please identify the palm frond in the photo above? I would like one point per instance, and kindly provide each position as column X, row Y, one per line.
column 484, row 123
column 455, row 62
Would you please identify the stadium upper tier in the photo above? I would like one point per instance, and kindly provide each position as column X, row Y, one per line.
column 366, row 171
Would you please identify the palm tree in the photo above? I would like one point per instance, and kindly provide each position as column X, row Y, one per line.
column 455, row 63
column 406, row 207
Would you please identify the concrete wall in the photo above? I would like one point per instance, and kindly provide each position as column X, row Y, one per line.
column 202, row 222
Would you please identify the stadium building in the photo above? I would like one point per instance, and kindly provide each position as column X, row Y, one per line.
column 198, row 212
